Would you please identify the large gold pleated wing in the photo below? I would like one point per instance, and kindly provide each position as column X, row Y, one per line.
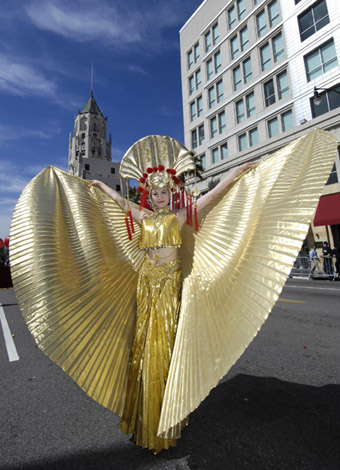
column 75, row 275
column 236, row 265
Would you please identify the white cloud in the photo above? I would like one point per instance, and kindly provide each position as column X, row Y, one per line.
column 19, row 78
column 16, row 133
column 120, row 23
column 84, row 23
column 136, row 69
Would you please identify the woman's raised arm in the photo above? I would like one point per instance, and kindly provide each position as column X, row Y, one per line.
column 208, row 197
column 136, row 214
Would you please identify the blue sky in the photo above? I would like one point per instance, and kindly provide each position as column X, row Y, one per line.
column 46, row 51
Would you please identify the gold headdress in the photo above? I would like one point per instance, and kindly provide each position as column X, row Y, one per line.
column 157, row 161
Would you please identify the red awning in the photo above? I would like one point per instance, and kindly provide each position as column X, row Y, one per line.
column 328, row 210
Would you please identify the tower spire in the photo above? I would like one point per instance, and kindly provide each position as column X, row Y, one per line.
column 91, row 78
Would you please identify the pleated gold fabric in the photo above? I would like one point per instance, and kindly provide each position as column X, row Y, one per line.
column 69, row 262
column 234, row 268
column 75, row 275
column 158, row 303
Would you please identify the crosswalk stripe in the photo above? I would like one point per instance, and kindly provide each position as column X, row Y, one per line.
column 10, row 346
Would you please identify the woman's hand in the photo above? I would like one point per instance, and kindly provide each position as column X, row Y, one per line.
column 98, row 184
column 246, row 166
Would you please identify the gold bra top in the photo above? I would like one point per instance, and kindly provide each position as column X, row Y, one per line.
column 160, row 230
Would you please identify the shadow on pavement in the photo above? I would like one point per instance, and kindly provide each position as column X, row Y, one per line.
column 247, row 422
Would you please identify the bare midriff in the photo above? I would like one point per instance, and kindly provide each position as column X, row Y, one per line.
column 160, row 256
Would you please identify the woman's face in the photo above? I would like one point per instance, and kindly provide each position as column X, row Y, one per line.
column 160, row 197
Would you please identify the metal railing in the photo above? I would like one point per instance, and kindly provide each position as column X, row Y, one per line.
column 303, row 268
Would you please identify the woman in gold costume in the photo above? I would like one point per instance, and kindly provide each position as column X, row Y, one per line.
column 158, row 305
column 77, row 262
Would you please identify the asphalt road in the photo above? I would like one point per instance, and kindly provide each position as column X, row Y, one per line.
column 278, row 408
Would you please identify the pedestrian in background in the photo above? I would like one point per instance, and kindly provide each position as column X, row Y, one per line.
column 314, row 261
column 327, row 256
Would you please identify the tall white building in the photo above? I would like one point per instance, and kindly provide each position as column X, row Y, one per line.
column 89, row 151
column 250, row 69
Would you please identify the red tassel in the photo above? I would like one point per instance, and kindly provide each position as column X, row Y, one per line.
column 182, row 199
column 187, row 207
column 131, row 221
column 196, row 219
column 128, row 227
column 190, row 210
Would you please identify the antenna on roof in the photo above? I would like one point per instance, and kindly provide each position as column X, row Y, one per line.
column 91, row 78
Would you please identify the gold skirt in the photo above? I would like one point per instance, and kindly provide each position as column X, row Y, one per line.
column 158, row 304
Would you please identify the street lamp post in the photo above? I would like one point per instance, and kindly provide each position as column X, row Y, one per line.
column 317, row 97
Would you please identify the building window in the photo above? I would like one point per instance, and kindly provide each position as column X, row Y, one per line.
column 219, row 91
column 210, row 69
column 234, row 47
column 201, row 134
column 199, row 106
column 191, row 85
column 282, row 85
column 333, row 177
column 214, row 154
column 241, row 38
column 198, row 79
column 247, row 73
column 320, row 60
column 211, row 96
column 215, row 34
column 208, row 43
column 244, row 38
column 276, row 125
column 278, row 47
column 266, row 60
column 269, row 93
column 273, row 13
column 113, row 171
column 250, row 104
column 273, row 127
column 190, row 59
column 83, row 135
column 237, row 77
column 194, row 138
column 232, row 17
column 262, row 20
column 242, row 142
column 118, row 187
column 287, row 121
column 240, row 116
column 275, row 53
column 197, row 52
column 196, row 108
column 193, row 110
column 211, row 37
column 261, row 23
column 224, row 151
column 253, row 137
column 241, row 9
column 272, row 94
column 87, row 166
column 215, row 90
column 247, row 106
column 217, row 61
column 313, row 19
column 330, row 99
column 221, row 122
column 213, row 127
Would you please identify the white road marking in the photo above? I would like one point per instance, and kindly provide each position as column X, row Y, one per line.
column 10, row 346
column 314, row 288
